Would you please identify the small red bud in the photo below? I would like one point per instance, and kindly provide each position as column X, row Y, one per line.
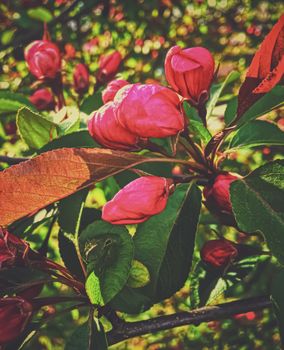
column 43, row 99
column 15, row 313
column 219, row 252
column 108, row 65
column 81, row 78
column 190, row 71
column 138, row 201
column 43, row 59
column 217, row 197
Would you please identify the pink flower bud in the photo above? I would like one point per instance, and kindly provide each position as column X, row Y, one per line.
column 138, row 201
column 112, row 88
column 190, row 71
column 217, row 197
column 12, row 249
column 108, row 65
column 42, row 99
column 43, row 59
column 218, row 252
column 149, row 110
column 81, row 79
column 15, row 313
column 105, row 129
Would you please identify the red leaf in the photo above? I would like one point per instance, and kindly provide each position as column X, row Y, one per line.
column 266, row 69
column 29, row 186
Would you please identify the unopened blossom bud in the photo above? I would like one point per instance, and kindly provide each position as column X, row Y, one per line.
column 138, row 201
column 43, row 59
column 12, row 249
column 108, row 65
column 81, row 78
column 219, row 252
column 217, row 196
column 43, row 100
column 105, row 129
column 190, row 72
column 15, row 313
column 112, row 88
column 149, row 110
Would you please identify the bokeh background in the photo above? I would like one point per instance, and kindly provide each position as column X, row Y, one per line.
column 143, row 31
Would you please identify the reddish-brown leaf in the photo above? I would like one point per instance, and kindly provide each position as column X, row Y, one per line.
column 31, row 185
column 266, row 69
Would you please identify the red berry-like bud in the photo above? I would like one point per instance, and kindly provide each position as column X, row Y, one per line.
column 12, row 249
column 70, row 51
column 190, row 71
column 218, row 252
column 112, row 88
column 81, row 78
column 105, row 129
column 138, row 201
column 149, row 110
column 217, row 197
column 43, row 59
column 15, row 313
column 43, row 99
column 108, row 65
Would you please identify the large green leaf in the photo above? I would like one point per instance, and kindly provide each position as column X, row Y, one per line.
column 89, row 336
column 258, row 204
column 37, row 130
column 164, row 244
column 69, row 218
column 257, row 133
column 11, row 102
column 217, row 90
column 108, row 251
column 80, row 138
column 272, row 100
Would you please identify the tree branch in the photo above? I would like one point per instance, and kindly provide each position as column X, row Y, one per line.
column 205, row 314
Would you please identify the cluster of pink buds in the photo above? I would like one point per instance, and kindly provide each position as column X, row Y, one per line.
column 135, row 113
column 44, row 61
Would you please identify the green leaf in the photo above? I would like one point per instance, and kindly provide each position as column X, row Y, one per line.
column 257, row 133
column 199, row 131
column 92, row 103
column 93, row 289
column 273, row 99
column 69, row 218
column 67, row 119
column 231, row 110
column 36, row 130
column 108, row 251
column 278, row 300
column 139, row 275
column 40, row 13
column 164, row 244
column 258, row 204
column 11, row 102
column 88, row 336
column 217, row 90
column 78, row 139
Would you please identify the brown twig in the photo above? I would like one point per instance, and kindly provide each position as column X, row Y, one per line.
column 128, row 330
